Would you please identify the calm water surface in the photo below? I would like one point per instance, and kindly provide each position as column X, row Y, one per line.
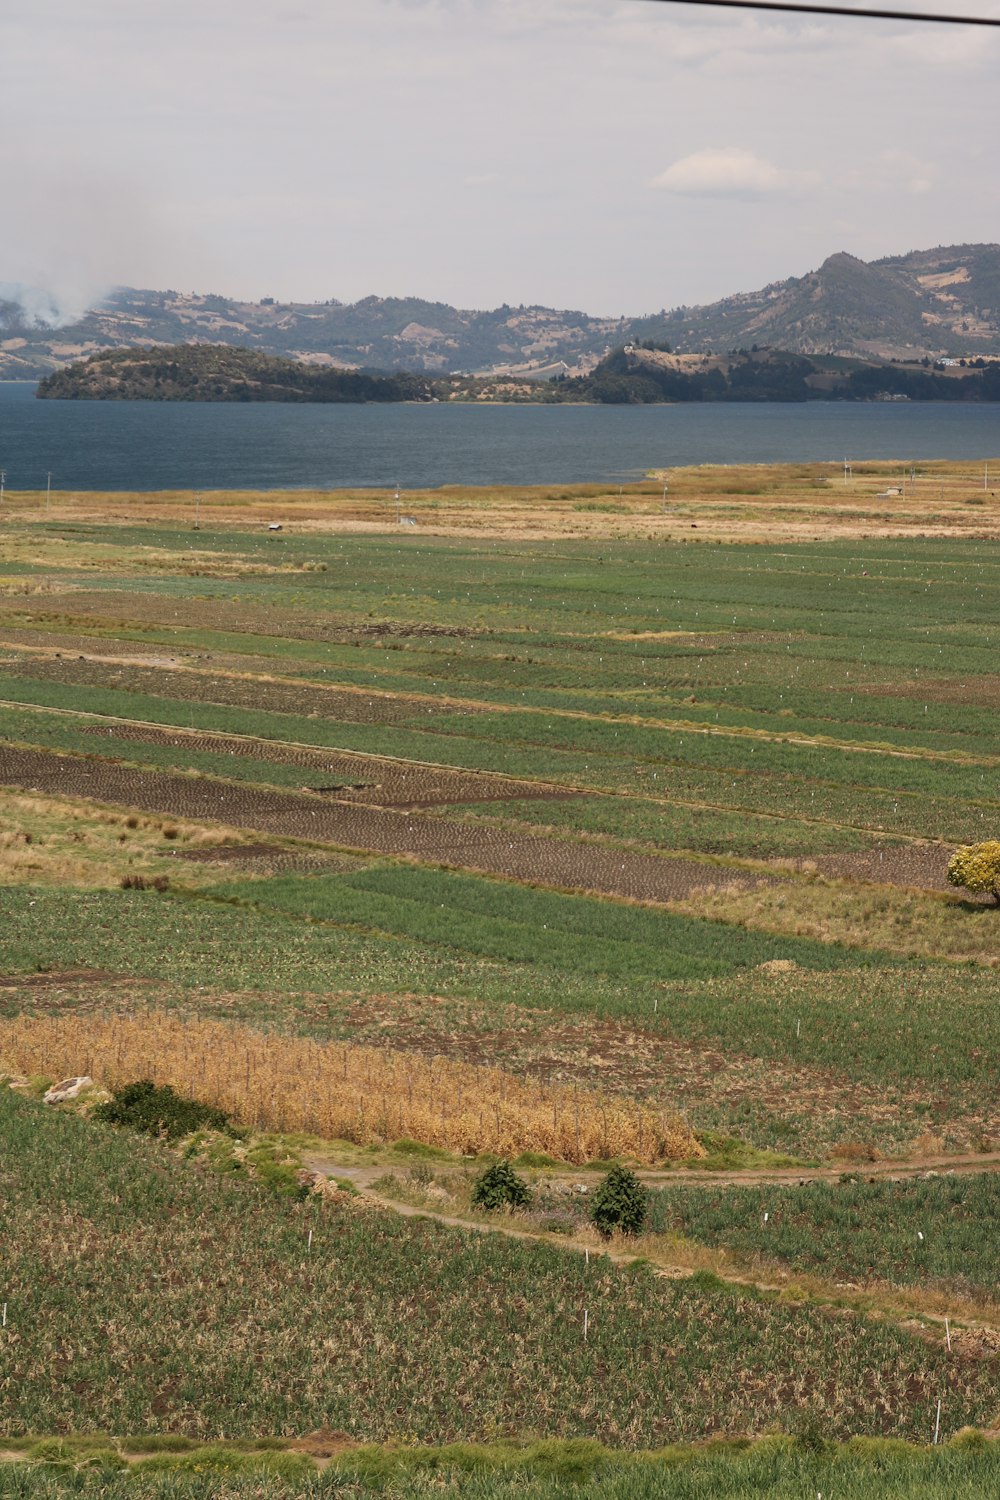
column 147, row 445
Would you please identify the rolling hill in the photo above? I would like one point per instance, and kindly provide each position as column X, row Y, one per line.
column 941, row 302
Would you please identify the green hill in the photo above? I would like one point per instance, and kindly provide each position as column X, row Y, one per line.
column 210, row 372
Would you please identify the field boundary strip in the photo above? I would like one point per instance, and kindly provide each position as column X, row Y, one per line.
column 867, row 1302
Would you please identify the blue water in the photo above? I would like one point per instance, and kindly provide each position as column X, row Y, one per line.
column 154, row 446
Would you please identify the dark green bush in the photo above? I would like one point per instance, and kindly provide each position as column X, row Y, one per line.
column 159, row 1111
column 498, row 1186
column 619, row 1203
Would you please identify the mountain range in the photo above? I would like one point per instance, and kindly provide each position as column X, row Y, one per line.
column 937, row 303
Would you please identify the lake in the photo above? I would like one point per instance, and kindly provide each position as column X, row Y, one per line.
column 148, row 445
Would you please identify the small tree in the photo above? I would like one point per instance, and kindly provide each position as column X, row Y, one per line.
column 499, row 1186
column 619, row 1203
column 977, row 868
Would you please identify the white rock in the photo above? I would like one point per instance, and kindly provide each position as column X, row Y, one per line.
column 70, row 1088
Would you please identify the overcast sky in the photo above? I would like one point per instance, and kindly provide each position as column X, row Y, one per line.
column 613, row 155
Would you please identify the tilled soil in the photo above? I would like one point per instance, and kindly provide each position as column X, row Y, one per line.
column 379, row 830
column 924, row 866
column 358, row 777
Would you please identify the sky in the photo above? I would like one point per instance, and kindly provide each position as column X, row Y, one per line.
column 616, row 156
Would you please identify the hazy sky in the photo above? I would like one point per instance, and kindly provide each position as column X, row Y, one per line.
column 613, row 155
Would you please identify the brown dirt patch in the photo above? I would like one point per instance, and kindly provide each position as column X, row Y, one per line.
column 921, row 866
column 979, row 692
column 120, row 608
column 323, row 1443
column 563, row 864
column 62, row 977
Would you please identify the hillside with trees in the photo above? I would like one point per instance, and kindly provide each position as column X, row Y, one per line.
column 928, row 303
column 198, row 372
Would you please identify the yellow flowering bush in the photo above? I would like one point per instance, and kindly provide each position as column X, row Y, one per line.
column 977, row 868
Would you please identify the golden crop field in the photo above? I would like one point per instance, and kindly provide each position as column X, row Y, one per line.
column 363, row 1094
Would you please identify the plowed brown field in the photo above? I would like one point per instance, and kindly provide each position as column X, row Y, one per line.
column 366, row 778
column 924, row 866
column 563, row 864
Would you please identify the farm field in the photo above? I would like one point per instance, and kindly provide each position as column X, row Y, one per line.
column 610, row 819
column 204, row 1305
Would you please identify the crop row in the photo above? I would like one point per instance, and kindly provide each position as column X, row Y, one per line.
column 943, row 800
column 705, row 741
column 534, row 926
column 563, row 863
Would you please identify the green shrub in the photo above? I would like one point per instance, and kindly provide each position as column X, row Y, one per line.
column 619, row 1203
column 159, row 1111
column 499, row 1186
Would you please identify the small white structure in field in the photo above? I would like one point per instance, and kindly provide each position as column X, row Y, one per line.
column 274, row 525
column 407, row 520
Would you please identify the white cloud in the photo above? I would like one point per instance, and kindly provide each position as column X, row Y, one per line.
column 730, row 172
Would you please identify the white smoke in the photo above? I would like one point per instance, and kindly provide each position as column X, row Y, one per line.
column 72, row 232
column 30, row 307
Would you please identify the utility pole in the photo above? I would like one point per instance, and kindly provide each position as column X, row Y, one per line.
column 48, row 492
column 197, row 510
column 986, row 476
column 666, row 487
column 848, row 471
column 398, row 513
column 3, row 481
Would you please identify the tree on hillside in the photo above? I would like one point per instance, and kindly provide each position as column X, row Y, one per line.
column 976, row 867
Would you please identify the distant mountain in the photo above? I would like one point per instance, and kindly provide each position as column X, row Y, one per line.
column 943, row 302
column 376, row 334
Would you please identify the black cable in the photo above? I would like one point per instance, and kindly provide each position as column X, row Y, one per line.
column 842, row 10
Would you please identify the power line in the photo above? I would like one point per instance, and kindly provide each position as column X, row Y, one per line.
column 802, row 8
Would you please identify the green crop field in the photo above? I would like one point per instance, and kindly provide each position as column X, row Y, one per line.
column 626, row 808
column 934, row 1232
column 144, row 1295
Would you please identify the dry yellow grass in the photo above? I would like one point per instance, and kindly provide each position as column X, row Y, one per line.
column 363, row 1094
column 744, row 502
column 910, row 923
column 57, row 841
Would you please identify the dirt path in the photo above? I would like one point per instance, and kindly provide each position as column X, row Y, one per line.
column 893, row 1169
column 902, row 1304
